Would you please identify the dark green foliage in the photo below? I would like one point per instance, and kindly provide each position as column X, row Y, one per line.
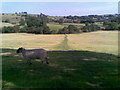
column 39, row 30
column 111, row 25
column 60, row 21
column 31, row 24
column 119, row 28
column 35, row 30
column 87, row 21
column 72, row 29
column 16, row 29
column 63, row 31
column 54, row 32
column 7, row 21
column 9, row 29
column 36, row 21
column 22, row 22
column 118, row 19
column 90, row 27
column 46, row 30
column 94, row 27
column 6, row 29
column 43, row 18
column 33, row 21
column 34, row 24
column 23, row 29
column 37, row 24
column 69, row 30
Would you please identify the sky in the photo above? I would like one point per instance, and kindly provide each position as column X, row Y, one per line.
column 61, row 8
column 60, row 0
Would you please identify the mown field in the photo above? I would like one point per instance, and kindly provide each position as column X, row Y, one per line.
column 100, row 41
column 87, row 60
column 5, row 24
column 57, row 26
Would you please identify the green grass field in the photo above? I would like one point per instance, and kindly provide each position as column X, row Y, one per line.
column 87, row 60
column 57, row 26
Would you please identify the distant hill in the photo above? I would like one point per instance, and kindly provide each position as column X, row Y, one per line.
column 39, row 23
column 13, row 18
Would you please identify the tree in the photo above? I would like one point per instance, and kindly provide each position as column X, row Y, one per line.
column 46, row 30
column 112, row 26
column 8, row 30
column 63, row 31
column 23, row 29
column 16, row 29
column 90, row 27
column 33, row 21
column 118, row 19
column 119, row 28
column 43, row 18
column 39, row 30
column 60, row 21
column 68, row 30
column 7, row 21
column 22, row 22
column 72, row 29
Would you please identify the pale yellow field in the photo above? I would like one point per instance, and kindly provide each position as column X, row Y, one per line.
column 100, row 41
column 5, row 24
column 17, row 40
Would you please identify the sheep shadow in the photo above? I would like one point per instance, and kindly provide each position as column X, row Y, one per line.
column 67, row 69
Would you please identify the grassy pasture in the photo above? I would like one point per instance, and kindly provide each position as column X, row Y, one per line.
column 67, row 69
column 87, row 60
column 101, row 41
column 5, row 24
column 57, row 26
column 77, row 24
column 13, row 18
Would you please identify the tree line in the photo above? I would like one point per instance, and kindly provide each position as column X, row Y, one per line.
column 31, row 24
column 70, row 29
column 37, row 24
column 110, row 22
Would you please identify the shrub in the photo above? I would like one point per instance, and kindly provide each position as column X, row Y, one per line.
column 7, row 21
column 69, row 30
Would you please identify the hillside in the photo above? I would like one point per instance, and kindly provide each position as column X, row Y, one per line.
column 43, row 24
column 87, row 60
column 13, row 18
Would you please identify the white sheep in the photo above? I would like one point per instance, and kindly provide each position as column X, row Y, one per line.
column 33, row 54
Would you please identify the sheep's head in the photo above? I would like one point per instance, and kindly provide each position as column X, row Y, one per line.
column 19, row 50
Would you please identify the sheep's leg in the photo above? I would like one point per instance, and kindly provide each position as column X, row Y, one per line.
column 29, row 61
column 26, row 60
column 42, row 61
column 46, row 60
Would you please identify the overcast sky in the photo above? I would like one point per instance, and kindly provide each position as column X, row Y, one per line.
column 61, row 8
